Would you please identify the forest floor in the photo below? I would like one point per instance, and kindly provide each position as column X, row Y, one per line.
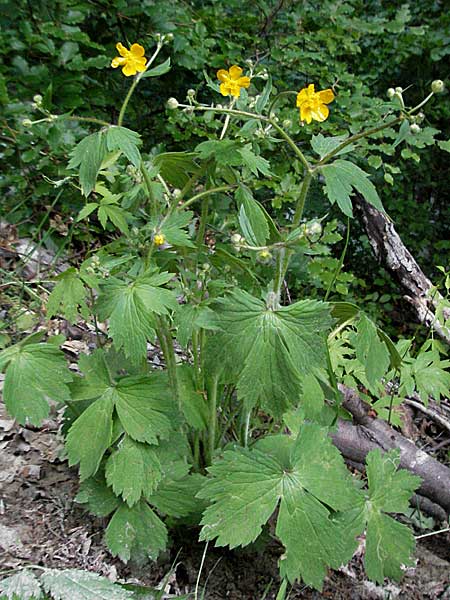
column 40, row 524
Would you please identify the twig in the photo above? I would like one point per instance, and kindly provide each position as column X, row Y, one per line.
column 430, row 412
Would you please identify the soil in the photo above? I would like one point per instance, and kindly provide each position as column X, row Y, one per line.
column 40, row 524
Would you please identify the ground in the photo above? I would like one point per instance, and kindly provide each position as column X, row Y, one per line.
column 40, row 524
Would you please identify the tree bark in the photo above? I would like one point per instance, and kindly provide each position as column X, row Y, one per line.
column 356, row 440
column 390, row 251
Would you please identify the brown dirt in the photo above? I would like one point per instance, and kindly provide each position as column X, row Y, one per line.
column 41, row 525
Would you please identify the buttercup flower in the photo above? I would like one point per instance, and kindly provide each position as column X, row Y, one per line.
column 159, row 239
column 132, row 61
column 232, row 82
column 313, row 104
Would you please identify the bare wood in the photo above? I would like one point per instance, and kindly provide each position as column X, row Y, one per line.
column 390, row 251
column 356, row 440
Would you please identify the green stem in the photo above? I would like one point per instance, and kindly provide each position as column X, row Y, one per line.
column 291, row 143
column 278, row 97
column 203, row 219
column 355, row 138
column 216, row 190
column 151, row 195
column 134, row 84
column 341, row 261
column 302, row 199
column 165, row 339
column 430, row 95
column 212, row 396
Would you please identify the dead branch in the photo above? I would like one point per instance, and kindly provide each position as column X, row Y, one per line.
column 356, row 440
column 390, row 251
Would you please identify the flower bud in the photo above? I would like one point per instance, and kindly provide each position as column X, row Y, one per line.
column 37, row 98
column 249, row 62
column 190, row 93
column 27, row 123
column 236, row 239
column 390, row 93
column 206, row 266
column 398, row 90
column 168, row 37
column 420, row 117
column 414, row 128
column 172, row 103
column 287, row 124
column 176, row 193
column 313, row 229
column 437, row 86
column 219, row 106
column 159, row 239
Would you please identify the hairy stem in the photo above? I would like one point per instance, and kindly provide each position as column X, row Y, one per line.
column 212, row 397
column 165, row 339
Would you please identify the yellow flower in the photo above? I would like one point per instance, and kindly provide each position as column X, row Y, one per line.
column 232, row 82
column 313, row 104
column 159, row 239
column 132, row 61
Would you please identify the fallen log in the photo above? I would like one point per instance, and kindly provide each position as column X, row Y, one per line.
column 355, row 440
column 391, row 252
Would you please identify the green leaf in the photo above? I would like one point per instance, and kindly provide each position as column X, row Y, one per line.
column 341, row 177
column 97, row 377
column 133, row 470
column 90, row 435
column 125, row 140
column 252, row 219
column 193, row 404
column 225, row 152
column 403, row 133
column 68, row 297
column 176, row 168
column 136, row 531
column 158, row 70
column 324, row 145
column 178, row 498
column 99, row 498
column 444, row 145
column 87, row 210
column 21, row 586
column 371, row 352
column 256, row 164
column 389, row 544
column 269, row 350
column 264, row 97
column 35, row 373
column 307, row 475
column 173, row 229
column 190, row 317
column 74, row 584
column 115, row 214
column 145, row 407
column 131, row 308
column 88, row 155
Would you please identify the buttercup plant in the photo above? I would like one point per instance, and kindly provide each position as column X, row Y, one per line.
column 237, row 431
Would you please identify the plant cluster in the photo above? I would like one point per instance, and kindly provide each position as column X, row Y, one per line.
column 234, row 433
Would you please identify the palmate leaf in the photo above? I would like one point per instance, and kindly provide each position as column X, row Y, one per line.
column 371, row 351
column 133, row 470
column 267, row 350
column 341, row 177
column 178, row 498
column 307, row 476
column 88, row 155
column 131, row 308
column 100, row 500
column 125, row 140
column 173, row 229
column 389, row 544
column 136, row 530
column 74, row 584
column 252, row 218
column 21, row 586
column 34, row 373
column 68, row 297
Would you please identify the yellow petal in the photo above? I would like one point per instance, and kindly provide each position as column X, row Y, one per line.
column 121, row 49
column 235, row 90
column 243, row 82
column 117, row 61
column 326, row 96
column 140, row 64
column 235, row 72
column 225, row 89
column 310, row 90
column 305, row 113
column 302, row 96
column 223, row 75
column 137, row 50
column 320, row 112
column 129, row 69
